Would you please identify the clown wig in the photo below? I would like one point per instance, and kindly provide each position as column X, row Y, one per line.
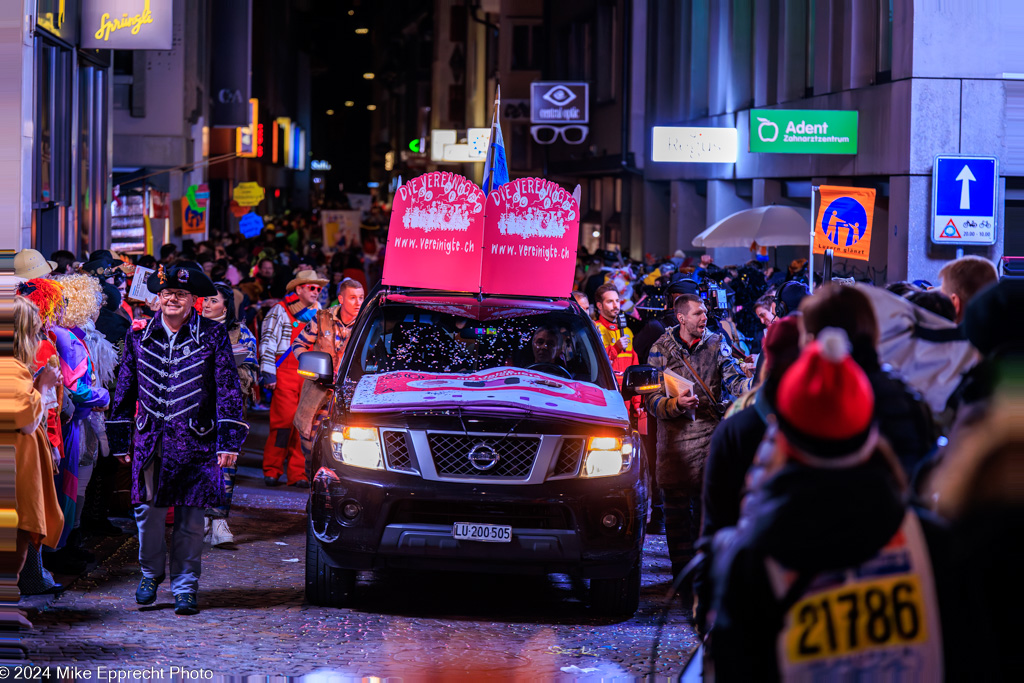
column 47, row 295
column 84, row 298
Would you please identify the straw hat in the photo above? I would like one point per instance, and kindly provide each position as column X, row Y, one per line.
column 305, row 277
column 30, row 264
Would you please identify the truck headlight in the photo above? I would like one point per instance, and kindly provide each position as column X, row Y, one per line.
column 357, row 446
column 607, row 456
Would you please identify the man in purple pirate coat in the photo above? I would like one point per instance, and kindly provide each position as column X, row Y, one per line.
column 177, row 417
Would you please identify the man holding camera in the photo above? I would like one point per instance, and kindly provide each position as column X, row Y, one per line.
column 685, row 422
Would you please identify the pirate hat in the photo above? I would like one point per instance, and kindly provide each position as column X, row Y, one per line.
column 103, row 264
column 187, row 276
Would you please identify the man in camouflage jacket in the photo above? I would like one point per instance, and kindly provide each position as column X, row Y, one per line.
column 685, row 423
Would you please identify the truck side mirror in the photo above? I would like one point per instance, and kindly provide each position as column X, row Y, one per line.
column 317, row 365
column 640, row 380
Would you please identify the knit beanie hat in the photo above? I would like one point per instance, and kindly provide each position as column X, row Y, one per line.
column 782, row 342
column 825, row 405
column 992, row 319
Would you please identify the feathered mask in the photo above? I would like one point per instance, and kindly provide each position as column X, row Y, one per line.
column 48, row 296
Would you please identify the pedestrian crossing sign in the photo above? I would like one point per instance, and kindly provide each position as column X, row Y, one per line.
column 843, row 221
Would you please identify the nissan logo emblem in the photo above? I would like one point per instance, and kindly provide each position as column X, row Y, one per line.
column 483, row 457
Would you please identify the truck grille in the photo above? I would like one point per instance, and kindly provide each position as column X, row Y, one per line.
column 569, row 457
column 514, row 455
column 396, row 448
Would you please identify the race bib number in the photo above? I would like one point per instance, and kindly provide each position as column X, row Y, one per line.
column 855, row 618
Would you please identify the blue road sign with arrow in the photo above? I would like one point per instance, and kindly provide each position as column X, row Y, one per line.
column 964, row 200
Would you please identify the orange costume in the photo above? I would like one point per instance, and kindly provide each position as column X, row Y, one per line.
column 281, row 328
column 610, row 334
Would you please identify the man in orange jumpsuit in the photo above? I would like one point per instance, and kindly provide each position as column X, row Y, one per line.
column 279, row 368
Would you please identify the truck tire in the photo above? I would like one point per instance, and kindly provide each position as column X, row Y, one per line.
column 616, row 597
column 326, row 586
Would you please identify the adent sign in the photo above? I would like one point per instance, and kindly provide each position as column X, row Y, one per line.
column 803, row 131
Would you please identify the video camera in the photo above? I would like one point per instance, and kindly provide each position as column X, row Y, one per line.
column 654, row 303
column 717, row 297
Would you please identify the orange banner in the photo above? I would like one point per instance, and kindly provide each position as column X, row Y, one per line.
column 843, row 223
column 192, row 222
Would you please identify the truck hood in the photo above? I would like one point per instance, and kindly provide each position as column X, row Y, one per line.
column 497, row 391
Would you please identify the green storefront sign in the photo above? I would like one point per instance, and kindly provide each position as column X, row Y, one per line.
column 803, row 131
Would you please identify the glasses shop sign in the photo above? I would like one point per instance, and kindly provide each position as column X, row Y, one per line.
column 803, row 131
column 127, row 24
column 559, row 103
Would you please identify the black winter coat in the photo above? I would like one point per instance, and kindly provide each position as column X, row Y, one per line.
column 904, row 419
column 812, row 521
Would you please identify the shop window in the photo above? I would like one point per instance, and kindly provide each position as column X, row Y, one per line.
column 699, row 46
column 92, row 159
column 86, row 142
column 44, row 124
column 742, row 52
column 884, row 39
column 809, row 59
column 572, row 52
column 527, row 47
column 521, row 157
column 52, row 177
column 606, row 54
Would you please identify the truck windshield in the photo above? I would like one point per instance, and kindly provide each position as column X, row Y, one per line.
column 407, row 337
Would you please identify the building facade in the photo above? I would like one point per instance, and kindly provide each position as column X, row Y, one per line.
column 903, row 66
column 59, row 100
column 917, row 91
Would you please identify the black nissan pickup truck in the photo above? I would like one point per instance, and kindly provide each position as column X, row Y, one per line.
column 475, row 434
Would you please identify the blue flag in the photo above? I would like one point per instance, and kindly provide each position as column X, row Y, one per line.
column 495, row 165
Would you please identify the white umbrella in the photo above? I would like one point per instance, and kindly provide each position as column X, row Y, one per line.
column 769, row 226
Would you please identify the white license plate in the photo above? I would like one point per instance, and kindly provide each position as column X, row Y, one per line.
column 491, row 533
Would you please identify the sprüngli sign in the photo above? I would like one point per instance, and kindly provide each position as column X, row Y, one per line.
column 803, row 131
column 127, row 24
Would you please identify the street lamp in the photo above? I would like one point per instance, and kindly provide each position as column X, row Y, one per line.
column 368, row 75
column 349, row 103
column 372, row 107
column 362, row 31
column 330, row 112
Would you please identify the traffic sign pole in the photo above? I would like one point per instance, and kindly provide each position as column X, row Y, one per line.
column 814, row 220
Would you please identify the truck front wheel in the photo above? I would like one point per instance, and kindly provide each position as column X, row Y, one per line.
column 616, row 597
column 326, row 586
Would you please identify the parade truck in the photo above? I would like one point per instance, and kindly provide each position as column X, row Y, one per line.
column 476, row 424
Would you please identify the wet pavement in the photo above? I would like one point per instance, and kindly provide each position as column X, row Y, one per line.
column 254, row 620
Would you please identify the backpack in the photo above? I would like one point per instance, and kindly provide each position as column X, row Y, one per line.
column 927, row 351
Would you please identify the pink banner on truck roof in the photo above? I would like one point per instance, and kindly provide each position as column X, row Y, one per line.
column 435, row 235
column 531, row 231
column 493, row 389
column 519, row 241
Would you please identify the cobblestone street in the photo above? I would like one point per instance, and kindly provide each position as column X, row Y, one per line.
column 254, row 620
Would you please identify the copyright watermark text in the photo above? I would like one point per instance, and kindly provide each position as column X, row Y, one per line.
column 103, row 673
